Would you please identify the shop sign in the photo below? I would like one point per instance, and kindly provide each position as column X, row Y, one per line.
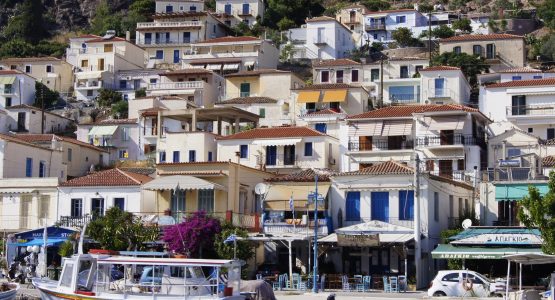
column 359, row 240
column 465, row 256
column 501, row 239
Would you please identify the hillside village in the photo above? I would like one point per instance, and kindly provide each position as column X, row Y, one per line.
column 406, row 133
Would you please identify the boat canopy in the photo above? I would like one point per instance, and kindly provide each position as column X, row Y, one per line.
column 183, row 262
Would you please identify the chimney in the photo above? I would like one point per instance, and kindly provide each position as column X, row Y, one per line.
column 128, row 36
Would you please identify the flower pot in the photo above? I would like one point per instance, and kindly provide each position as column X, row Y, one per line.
column 228, row 291
column 179, row 256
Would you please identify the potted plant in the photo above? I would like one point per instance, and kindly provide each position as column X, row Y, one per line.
column 412, row 283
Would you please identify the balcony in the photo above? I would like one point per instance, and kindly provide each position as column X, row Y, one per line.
column 321, row 41
column 441, row 94
column 7, row 91
column 393, row 221
column 73, row 221
column 380, row 146
column 401, row 99
column 455, row 175
column 271, row 227
column 88, row 85
column 278, row 161
column 162, row 42
column 531, row 110
column 245, row 12
column 184, row 85
column 512, row 174
column 374, row 26
column 449, row 140
column 221, row 55
column 181, row 24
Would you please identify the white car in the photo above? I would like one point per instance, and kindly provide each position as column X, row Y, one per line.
column 464, row 283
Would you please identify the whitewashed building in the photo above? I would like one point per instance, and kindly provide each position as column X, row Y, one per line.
column 16, row 88
column 27, row 119
column 232, row 12
column 53, row 72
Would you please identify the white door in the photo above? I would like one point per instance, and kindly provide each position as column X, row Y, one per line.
column 479, row 287
column 450, row 283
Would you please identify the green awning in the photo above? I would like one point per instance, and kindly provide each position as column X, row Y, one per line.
column 517, row 191
column 103, row 130
column 460, row 252
column 7, row 80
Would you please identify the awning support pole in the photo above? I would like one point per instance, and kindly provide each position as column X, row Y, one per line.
column 290, row 263
column 507, row 284
column 520, row 277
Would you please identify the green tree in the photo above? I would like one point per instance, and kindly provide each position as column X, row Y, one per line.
column 121, row 230
column 105, row 19
column 425, row 7
column 49, row 48
column 286, row 53
column 66, row 249
column 139, row 11
column 403, row 37
column 45, row 96
column 140, row 93
column 546, row 12
column 462, row 25
column 107, row 97
column 471, row 65
column 285, row 24
column 440, row 32
column 245, row 249
column 120, row 109
column 538, row 211
column 295, row 10
column 28, row 24
column 376, row 5
column 547, row 48
column 17, row 48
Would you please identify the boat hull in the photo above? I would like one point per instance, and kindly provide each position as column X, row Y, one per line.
column 9, row 295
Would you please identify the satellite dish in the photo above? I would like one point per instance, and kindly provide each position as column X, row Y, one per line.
column 261, row 188
column 466, row 223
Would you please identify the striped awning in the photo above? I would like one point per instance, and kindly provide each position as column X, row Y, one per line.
column 335, row 96
column 397, row 127
column 308, row 97
column 445, row 123
column 7, row 80
column 366, row 129
column 102, row 130
column 278, row 197
column 231, row 67
column 181, row 182
column 213, row 66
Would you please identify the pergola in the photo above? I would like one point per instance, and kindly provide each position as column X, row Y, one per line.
column 231, row 115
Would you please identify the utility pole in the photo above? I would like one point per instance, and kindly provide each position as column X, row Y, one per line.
column 380, row 103
column 42, row 107
column 315, row 261
column 430, row 37
column 417, row 246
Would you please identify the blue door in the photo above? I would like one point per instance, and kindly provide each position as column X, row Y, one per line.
column 439, row 87
column 227, row 9
column 352, row 206
column 246, row 9
column 148, row 38
column 271, row 155
column 175, row 56
column 406, row 205
column 380, row 206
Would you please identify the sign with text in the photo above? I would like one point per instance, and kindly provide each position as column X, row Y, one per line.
column 501, row 239
column 359, row 240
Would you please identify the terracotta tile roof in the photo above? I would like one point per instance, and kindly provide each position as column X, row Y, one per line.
column 190, row 71
column 29, row 59
column 520, row 83
column 326, row 86
column 112, row 177
column 440, row 68
column 88, row 36
column 15, row 139
column 481, row 37
column 170, row 15
column 215, row 61
column 9, row 72
column 249, row 100
column 550, row 142
column 327, row 111
column 408, row 110
column 41, row 138
column 305, row 176
column 151, row 112
column 321, row 19
column 231, row 39
column 274, row 132
column 25, row 106
column 162, row 97
column 144, row 171
column 521, row 70
column 103, row 40
column 335, row 62
column 257, row 73
column 386, row 168
column 390, row 11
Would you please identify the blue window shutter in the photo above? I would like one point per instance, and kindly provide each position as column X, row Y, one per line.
column 162, row 156
column 209, row 155
column 406, row 205
column 352, row 206
column 380, row 206
column 308, row 149
column 244, row 150
column 192, row 155
column 29, row 167
column 321, row 127
column 175, row 156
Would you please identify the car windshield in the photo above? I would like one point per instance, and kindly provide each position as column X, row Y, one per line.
column 484, row 278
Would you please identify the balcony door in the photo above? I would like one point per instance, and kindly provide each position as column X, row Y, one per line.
column 246, row 9
column 380, row 206
column 446, row 168
column 271, row 155
column 352, row 16
column 97, row 206
column 446, row 137
column 439, row 86
column 365, row 143
column 518, row 105
column 245, row 89
column 289, row 155
column 177, row 204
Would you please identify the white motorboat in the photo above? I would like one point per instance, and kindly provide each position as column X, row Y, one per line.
column 98, row 276
column 8, row 291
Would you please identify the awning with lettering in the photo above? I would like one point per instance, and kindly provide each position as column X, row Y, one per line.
column 308, row 97
column 373, row 128
column 335, row 96
column 231, row 67
column 213, row 66
column 397, row 127
column 447, row 251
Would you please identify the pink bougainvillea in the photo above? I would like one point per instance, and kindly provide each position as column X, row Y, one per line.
column 194, row 233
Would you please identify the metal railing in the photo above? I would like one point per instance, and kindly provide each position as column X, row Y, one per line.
column 405, row 98
column 320, row 41
column 169, row 24
column 244, row 12
column 380, row 146
column 283, row 227
column 154, row 42
column 221, row 55
column 176, row 85
column 74, row 221
column 374, row 26
column 512, row 174
column 88, row 84
column 390, row 220
column 531, row 110
column 277, row 160
column 441, row 93
column 452, row 174
column 96, row 68
column 449, row 140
